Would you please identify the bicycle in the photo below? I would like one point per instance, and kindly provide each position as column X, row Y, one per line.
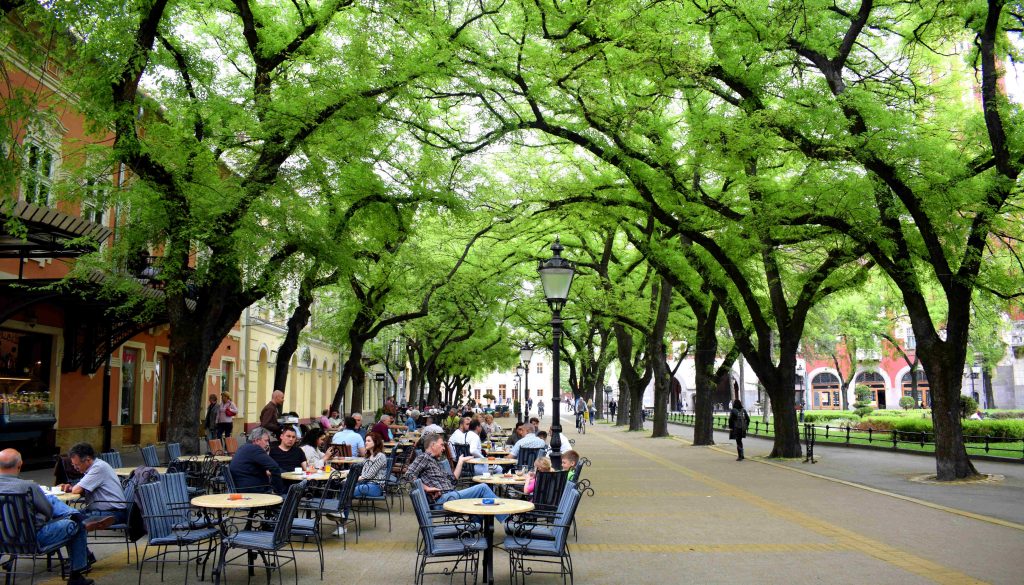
column 581, row 426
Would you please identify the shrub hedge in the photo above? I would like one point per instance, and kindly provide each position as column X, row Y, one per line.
column 831, row 415
column 909, row 428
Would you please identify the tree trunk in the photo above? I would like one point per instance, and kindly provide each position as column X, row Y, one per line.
column 659, row 365
column 296, row 323
column 352, row 372
column 622, row 408
column 779, row 385
column 704, row 364
column 945, row 372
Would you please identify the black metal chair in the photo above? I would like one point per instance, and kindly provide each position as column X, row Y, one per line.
column 18, row 537
column 172, row 533
column 444, row 543
column 274, row 547
column 527, row 455
column 173, row 452
column 335, row 501
column 530, row 543
column 369, row 503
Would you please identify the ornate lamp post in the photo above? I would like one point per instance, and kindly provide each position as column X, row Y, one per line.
column 607, row 399
column 525, row 355
column 556, row 277
column 515, row 397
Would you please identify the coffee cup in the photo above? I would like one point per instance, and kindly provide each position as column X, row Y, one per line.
column 298, row 470
column 487, row 474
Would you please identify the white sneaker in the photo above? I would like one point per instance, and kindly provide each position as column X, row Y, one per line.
column 340, row 531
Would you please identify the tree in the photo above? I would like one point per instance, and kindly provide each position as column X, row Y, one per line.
column 862, row 407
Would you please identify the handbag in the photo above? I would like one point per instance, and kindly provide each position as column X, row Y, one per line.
column 230, row 410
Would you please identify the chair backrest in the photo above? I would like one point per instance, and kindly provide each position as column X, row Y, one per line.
column 215, row 446
column 156, row 513
column 578, row 470
column 563, row 502
column 175, row 490
column 230, row 445
column 348, row 490
column 403, row 456
column 286, row 515
column 63, row 471
column 527, row 455
column 459, row 449
column 149, row 456
column 561, row 532
column 345, row 449
column 422, row 509
column 17, row 524
column 229, row 480
column 113, row 459
column 549, row 487
column 173, row 452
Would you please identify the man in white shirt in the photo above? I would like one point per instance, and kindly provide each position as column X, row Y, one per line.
column 565, row 446
column 431, row 427
column 459, row 434
column 528, row 440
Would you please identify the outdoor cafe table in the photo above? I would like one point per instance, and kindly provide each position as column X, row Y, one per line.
column 126, row 471
column 476, row 507
column 318, row 476
column 499, row 481
column 222, row 458
column 346, row 460
column 220, row 503
column 492, row 461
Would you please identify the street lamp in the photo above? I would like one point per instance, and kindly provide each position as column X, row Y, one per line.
column 525, row 355
column 556, row 276
column 607, row 399
column 519, row 406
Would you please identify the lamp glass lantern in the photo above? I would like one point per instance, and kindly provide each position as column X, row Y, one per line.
column 556, row 275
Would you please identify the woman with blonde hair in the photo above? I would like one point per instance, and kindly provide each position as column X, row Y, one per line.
column 542, row 464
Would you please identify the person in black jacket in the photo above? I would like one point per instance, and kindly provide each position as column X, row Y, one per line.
column 212, row 410
column 252, row 469
column 739, row 420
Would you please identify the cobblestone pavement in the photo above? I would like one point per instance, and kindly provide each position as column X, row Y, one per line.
column 667, row 512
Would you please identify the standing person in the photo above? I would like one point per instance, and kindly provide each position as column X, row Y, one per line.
column 540, row 409
column 271, row 412
column 212, row 412
column 612, row 406
column 739, row 420
column 592, row 410
column 225, row 416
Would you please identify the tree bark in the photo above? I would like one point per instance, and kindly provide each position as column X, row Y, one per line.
column 659, row 366
column 296, row 323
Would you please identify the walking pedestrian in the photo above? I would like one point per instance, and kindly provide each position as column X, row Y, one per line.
column 540, row 408
column 739, row 420
column 212, row 411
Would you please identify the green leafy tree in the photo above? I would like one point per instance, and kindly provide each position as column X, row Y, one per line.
column 863, row 404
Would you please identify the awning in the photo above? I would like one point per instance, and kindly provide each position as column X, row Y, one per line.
column 49, row 233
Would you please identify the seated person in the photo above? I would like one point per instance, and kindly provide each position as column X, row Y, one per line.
column 100, row 486
column 542, row 464
column 313, row 446
column 491, row 427
column 335, row 419
column 438, row 483
column 527, row 440
column 54, row 521
column 286, row 454
column 569, row 460
column 410, row 420
column 383, row 427
column 324, row 420
column 371, row 480
column 514, row 436
column 430, row 427
column 252, row 469
column 565, row 446
column 348, row 436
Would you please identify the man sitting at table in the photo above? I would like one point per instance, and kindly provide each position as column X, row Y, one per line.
column 54, row 521
column 359, row 429
column 383, row 427
column 565, row 446
column 286, row 454
column 252, row 469
column 515, row 435
column 527, row 440
column 438, row 483
column 348, row 436
column 100, row 486
column 335, row 420
column 429, row 426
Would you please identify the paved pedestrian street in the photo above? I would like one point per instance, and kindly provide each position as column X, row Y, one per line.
column 664, row 511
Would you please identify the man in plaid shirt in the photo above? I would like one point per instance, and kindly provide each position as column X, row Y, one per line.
column 438, row 483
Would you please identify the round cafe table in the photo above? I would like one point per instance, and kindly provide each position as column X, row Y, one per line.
column 126, row 471
column 346, row 460
column 220, row 503
column 318, row 476
column 492, row 461
column 476, row 507
column 500, row 482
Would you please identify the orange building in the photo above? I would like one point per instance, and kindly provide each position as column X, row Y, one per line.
column 71, row 369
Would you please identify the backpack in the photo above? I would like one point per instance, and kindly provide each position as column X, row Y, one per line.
column 742, row 420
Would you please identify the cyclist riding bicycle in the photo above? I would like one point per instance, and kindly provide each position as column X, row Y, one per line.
column 581, row 410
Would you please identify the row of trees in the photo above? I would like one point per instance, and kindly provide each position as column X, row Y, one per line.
column 729, row 176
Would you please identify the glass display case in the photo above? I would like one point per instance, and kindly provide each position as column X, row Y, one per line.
column 25, row 399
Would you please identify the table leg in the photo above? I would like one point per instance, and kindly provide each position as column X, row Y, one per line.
column 488, row 553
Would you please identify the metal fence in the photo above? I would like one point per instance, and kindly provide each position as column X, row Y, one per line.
column 914, row 441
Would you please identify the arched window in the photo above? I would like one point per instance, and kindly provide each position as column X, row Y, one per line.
column 39, row 171
column 876, row 383
column 825, row 392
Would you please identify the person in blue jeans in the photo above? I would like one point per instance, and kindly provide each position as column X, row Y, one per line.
column 55, row 521
column 375, row 469
column 438, row 483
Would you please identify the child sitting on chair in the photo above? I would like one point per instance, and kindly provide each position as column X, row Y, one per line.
column 541, row 464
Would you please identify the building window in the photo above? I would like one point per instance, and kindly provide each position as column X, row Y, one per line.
column 226, row 369
column 540, row 392
column 501, row 392
column 540, row 367
column 94, row 199
column 911, row 341
column 476, row 394
column 40, row 168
